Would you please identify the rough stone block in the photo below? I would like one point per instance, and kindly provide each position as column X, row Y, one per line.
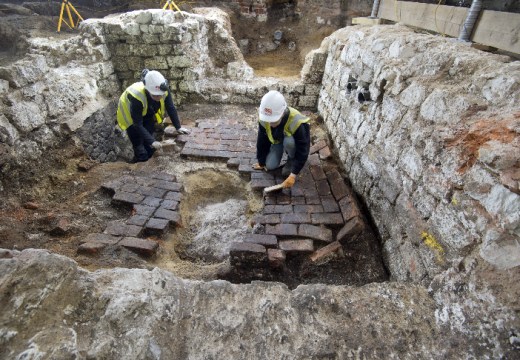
column 353, row 227
column 266, row 240
column 247, row 255
column 143, row 247
column 119, row 229
column 126, row 198
column 299, row 245
column 282, row 229
column 325, row 251
column 315, row 232
column 327, row 219
column 276, row 258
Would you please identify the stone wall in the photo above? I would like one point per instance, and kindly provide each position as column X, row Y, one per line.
column 433, row 149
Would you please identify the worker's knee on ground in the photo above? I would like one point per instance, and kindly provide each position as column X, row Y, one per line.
column 271, row 165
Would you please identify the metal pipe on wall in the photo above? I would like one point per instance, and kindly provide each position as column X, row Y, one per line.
column 375, row 9
column 467, row 27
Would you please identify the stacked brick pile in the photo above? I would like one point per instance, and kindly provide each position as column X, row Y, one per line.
column 315, row 217
column 154, row 199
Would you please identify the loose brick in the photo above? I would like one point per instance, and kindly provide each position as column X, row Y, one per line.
column 282, row 229
column 315, row 232
column 353, row 227
column 156, row 226
column 138, row 220
column 91, row 248
column 296, row 218
column 333, row 175
column 106, row 239
column 325, row 153
column 266, row 240
column 144, row 247
column 339, row 189
column 348, row 209
column 276, row 258
column 314, row 159
column 126, row 198
column 317, row 147
column 118, row 229
column 327, row 219
column 300, row 245
column 247, row 255
column 326, row 251
column 233, row 163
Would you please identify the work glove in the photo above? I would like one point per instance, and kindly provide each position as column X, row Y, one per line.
column 157, row 145
column 289, row 182
column 257, row 166
column 183, row 131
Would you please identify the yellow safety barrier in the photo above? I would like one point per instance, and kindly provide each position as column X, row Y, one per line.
column 171, row 5
column 66, row 5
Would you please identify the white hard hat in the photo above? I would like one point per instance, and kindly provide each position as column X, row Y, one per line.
column 155, row 83
column 272, row 107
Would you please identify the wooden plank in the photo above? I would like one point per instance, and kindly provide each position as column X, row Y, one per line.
column 443, row 19
column 493, row 28
column 498, row 29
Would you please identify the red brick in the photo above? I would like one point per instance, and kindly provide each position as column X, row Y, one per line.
column 300, row 245
column 308, row 208
column 121, row 197
column 141, row 246
column 317, row 172
column 327, row 219
column 339, row 189
column 138, row 220
column 276, row 258
column 325, row 153
column 329, row 204
column 298, row 200
column 313, row 200
column 323, row 187
column 277, row 209
column 266, row 240
column 333, row 175
column 144, row 210
column 233, row 163
column 282, row 229
column 315, row 232
column 296, row 218
column 314, row 159
column 156, row 227
column 266, row 219
column 283, row 199
column 317, row 147
column 173, row 216
column 326, row 251
column 261, row 175
column 247, row 255
column 91, row 248
column 353, row 227
column 260, row 184
column 348, row 209
column 118, row 229
column 151, row 201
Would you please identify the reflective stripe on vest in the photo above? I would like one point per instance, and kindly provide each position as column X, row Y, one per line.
column 293, row 123
column 136, row 90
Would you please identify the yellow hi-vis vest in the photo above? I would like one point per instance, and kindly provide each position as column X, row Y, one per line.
column 137, row 90
column 293, row 123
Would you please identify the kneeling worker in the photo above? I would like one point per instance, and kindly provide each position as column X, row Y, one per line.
column 143, row 104
column 281, row 128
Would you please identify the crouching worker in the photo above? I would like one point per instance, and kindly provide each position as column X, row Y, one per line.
column 143, row 104
column 281, row 128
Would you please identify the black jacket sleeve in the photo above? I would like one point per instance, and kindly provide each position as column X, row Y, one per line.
column 172, row 111
column 302, row 140
column 263, row 145
column 136, row 111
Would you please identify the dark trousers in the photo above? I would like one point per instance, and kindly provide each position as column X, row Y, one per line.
column 142, row 151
